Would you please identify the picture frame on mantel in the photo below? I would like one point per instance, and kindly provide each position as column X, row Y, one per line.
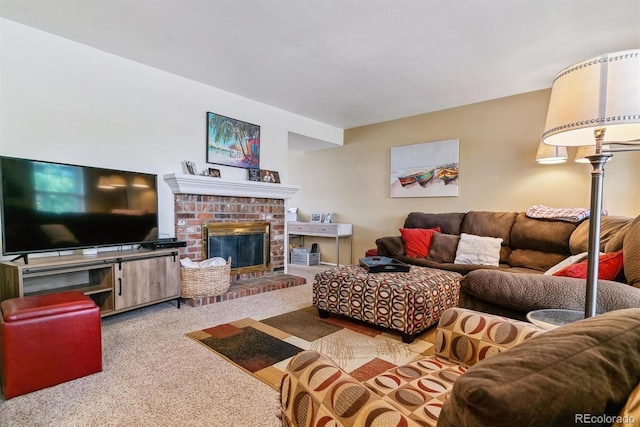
column 232, row 142
column 189, row 167
column 272, row 177
column 254, row 175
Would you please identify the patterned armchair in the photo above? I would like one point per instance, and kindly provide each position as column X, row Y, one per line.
column 315, row 390
column 585, row 370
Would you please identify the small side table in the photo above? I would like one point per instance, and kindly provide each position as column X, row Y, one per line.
column 551, row 318
column 321, row 229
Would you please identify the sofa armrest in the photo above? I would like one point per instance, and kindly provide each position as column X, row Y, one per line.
column 315, row 390
column 526, row 292
column 390, row 246
column 586, row 367
column 467, row 337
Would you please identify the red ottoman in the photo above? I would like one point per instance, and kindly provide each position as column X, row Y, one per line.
column 47, row 340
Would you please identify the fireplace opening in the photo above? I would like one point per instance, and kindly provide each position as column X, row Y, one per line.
column 247, row 243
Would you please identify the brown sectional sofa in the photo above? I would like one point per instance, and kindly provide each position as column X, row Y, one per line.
column 529, row 247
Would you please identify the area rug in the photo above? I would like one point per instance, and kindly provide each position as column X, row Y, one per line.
column 263, row 348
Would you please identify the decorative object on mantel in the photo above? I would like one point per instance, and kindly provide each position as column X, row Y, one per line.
column 232, row 142
column 254, row 174
column 327, row 217
column 189, row 167
column 428, row 169
column 214, row 173
column 269, row 176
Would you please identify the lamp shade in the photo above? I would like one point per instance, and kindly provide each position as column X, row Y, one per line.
column 602, row 92
column 139, row 182
column 550, row 154
column 117, row 181
column 105, row 183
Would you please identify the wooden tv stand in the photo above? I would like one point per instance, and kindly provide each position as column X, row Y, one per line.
column 117, row 281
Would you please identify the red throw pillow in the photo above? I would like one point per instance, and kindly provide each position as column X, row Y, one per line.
column 609, row 267
column 417, row 241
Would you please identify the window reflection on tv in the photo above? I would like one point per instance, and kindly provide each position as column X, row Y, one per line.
column 50, row 206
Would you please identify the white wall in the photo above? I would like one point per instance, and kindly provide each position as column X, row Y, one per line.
column 67, row 102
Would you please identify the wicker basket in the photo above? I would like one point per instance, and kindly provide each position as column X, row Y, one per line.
column 205, row 281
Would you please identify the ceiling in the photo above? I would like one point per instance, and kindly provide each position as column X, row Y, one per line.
column 348, row 63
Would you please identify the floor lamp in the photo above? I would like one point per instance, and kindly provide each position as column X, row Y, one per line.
column 591, row 99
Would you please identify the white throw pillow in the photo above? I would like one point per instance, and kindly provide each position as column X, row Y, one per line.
column 565, row 262
column 478, row 250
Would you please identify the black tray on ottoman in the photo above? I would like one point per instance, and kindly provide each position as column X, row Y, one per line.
column 379, row 264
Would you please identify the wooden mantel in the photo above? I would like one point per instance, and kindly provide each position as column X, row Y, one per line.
column 197, row 184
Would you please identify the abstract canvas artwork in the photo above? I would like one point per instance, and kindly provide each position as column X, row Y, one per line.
column 429, row 169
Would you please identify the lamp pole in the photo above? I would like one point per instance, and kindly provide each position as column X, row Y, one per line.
column 593, row 257
column 600, row 92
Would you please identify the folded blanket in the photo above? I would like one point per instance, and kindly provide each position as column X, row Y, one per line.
column 562, row 214
column 211, row 262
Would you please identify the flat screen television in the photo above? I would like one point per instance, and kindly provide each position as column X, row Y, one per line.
column 47, row 206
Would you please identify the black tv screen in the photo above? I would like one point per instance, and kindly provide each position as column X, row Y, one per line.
column 50, row 206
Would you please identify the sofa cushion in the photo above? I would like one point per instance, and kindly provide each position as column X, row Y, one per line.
column 587, row 367
column 615, row 243
column 534, row 260
column 609, row 227
column 491, row 224
column 545, row 235
column 417, row 389
column 632, row 253
column 521, row 293
column 479, row 250
column 449, row 223
column 539, row 243
column 391, row 246
column 443, row 247
column 609, row 266
column 467, row 336
column 314, row 390
column 417, row 241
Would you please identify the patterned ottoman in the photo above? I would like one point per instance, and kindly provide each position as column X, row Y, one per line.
column 406, row 302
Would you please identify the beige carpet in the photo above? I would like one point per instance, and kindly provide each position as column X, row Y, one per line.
column 154, row 375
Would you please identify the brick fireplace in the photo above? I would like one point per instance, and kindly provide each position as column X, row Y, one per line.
column 194, row 210
column 199, row 200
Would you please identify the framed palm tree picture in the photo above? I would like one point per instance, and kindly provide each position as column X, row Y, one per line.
column 232, row 142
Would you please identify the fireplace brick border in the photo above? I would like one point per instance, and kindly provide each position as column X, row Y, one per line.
column 192, row 210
